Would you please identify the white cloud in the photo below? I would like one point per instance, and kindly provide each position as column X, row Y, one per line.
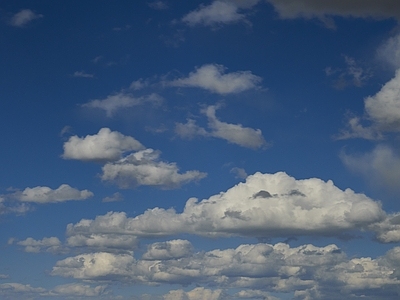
column 4, row 276
column 384, row 107
column 83, row 74
column 388, row 231
column 212, row 77
column 233, row 133
column 218, row 12
column 381, row 166
column 382, row 110
column 198, row 293
column 239, row 172
column 104, row 242
column 295, row 207
column 145, row 168
column 389, row 51
column 174, row 249
column 290, row 9
column 79, row 290
column 121, row 100
column 114, row 197
column 44, row 194
column 52, row 244
column 106, row 145
column 23, row 17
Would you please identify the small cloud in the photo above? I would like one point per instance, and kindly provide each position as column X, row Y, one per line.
column 65, row 130
column 233, row 133
column 126, row 27
column 24, row 17
column 97, row 59
column 82, row 74
column 239, row 172
column 114, row 198
column 44, row 194
column 158, row 5
column 212, row 77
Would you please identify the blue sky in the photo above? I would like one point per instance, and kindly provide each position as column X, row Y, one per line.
column 228, row 149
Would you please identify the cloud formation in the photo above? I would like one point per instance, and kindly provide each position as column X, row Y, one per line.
column 44, row 194
column 382, row 110
column 52, row 244
column 233, row 133
column 145, row 168
column 266, row 205
column 24, row 17
column 308, row 271
column 106, row 145
column 121, row 100
column 212, row 77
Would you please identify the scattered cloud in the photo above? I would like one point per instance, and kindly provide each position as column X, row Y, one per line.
column 145, row 168
column 158, row 5
column 83, row 74
column 353, row 74
column 218, row 12
column 44, row 194
column 233, row 133
column 212, row 77
column 121, row 100
column 104, row 146
column 195, row 294
column 389, row 51
column 114, row 198
column 24, row 17
column 239, row 172
column 380, row 167
column 382, row 110
column 309, row 9
column 52, row 244
column 4, row 276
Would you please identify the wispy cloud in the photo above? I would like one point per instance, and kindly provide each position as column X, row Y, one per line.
column 24, row 17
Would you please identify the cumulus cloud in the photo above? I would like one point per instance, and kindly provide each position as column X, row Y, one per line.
column 323, row 10
column 212, row 77
column 382, row 110
column 381, row 166
column 265, row 205
column 168, row 250
column 104, row 242
column 233, row 133
column 114, row 197
column 24, row 17
column 388, row 231
column 44, row 194
column 308, row 271
column 145, row 168
column 121, row 100
column 52, row 244
column 106, row 145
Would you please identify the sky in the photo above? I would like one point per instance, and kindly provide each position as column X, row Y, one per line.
column 200, row 150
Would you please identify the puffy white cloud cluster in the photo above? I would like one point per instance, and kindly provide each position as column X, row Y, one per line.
column 51, row 244
column 124, row 168
column 106, row 145
column 212, row 77
column 44, row 194
column 24, row 17
column 145, row 168
column 264, row 205
column 261, row 268
column 121, row 100
column 233, row 133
